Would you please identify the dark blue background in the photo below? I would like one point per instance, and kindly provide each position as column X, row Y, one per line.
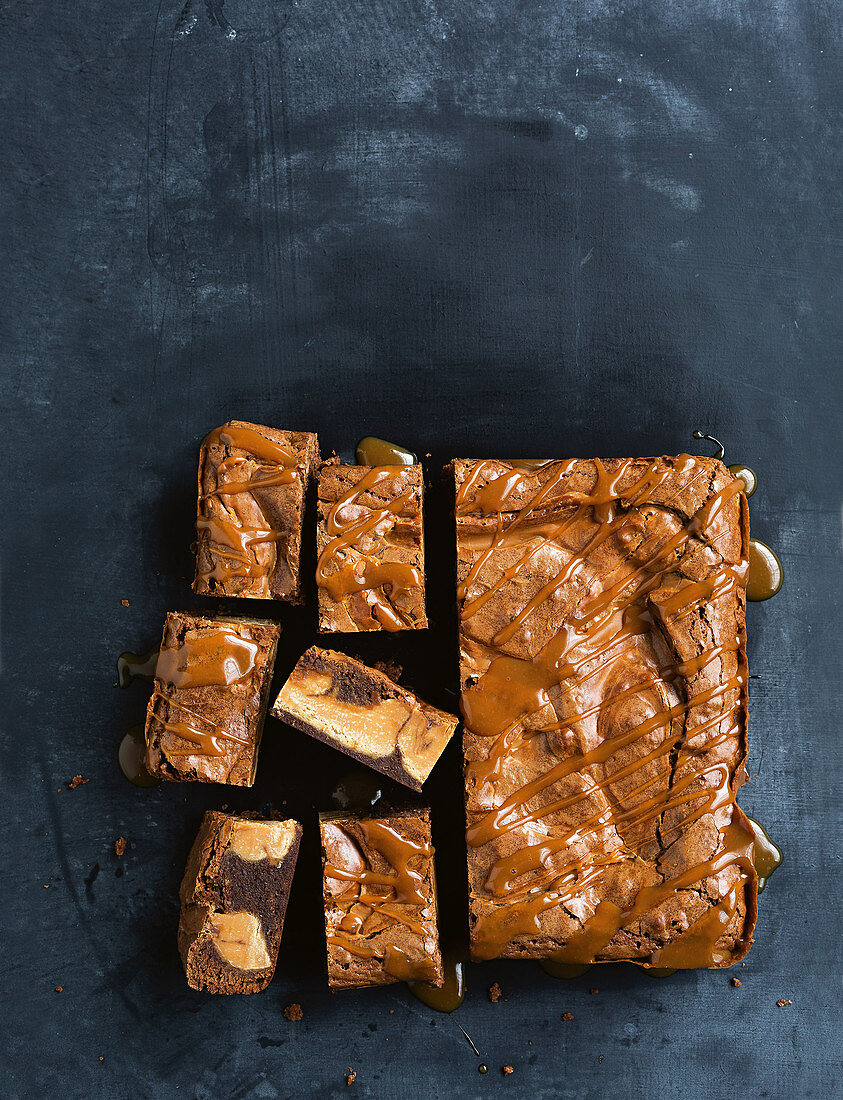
column 479, row 228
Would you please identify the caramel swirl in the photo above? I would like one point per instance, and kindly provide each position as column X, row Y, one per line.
column 369, row 901
column 601, row 609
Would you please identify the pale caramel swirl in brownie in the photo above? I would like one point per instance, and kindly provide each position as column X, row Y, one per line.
column 604, row 698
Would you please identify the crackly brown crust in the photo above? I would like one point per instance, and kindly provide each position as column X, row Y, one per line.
column 365, row 714
column 383, row 949
column 651, row 849
column 398, row 541
column 273, row 570
column 218, row 880
column 238, row 709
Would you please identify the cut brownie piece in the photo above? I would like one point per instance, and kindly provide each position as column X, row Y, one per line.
column 250, row 507
column 205, row 718
column 380, row 899
column 370, row 574
column 364, row 714
column 603, row 666
column 233, row 900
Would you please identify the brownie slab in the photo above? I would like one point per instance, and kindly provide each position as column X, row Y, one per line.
column 233, row 900
column 211, row 690
column 250, row 507
column 365, row 714
column 380, row 899
column 603, row 668
column 370, row 541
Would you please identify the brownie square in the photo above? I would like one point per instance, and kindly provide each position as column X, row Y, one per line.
column 380, row 899
column 233, row 899
column 604, row 686
column 365, row 714
column 370, row 573
column 250, row 507
column 211, row 690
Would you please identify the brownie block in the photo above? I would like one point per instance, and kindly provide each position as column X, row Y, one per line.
column 604, row 686
column 365, row 714
column 380, row 899
column 205, row 718
column 250, row 507
column 233, row 900
column 370, row 573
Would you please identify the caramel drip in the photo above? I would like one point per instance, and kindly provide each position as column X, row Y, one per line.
column 206, row 741
column 226, row 513
column 507, row 702
column 344, row 569
column 398, row 897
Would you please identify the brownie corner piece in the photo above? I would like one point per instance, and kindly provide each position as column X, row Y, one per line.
column 363, row 713
column 233, row 901
column 252, row 485
column 376, row 936
column 370, row 573
column 211, row 691
column 603, row 670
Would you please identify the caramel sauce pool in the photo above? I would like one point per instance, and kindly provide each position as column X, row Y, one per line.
column 747, row 476
column 765, row 572
column 372, row 451
column 447, row 997
column 132, row 758
column 136, row 666
column 766, row 855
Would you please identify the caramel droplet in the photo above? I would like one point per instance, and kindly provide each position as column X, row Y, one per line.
column 562, row 969
column 765, row 572
column 132, row 758
column 447, row 997
column 766, row 855
column 704, row 435
column 747, row 476
column 136, row 666
column 372, row 451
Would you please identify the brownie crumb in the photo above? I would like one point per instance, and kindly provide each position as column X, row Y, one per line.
column 120, row 845
column 293, row 1012
column 783, row 1002
column 593, row 991
column 125, row 603
column 495, row 993
column 567, row 1015
column 76, row 781
column 59, row 988
column 392, row 1012
column 506, row 1070
column 736, row 982
column 349, row 1077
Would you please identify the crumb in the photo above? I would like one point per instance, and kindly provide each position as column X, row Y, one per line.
column 783, row 1002
column 495, row 993
column 46, row 886
column 593, row 991
column 101, row 1058
column 120, row 845
column 736, row 982
column 293, row 1012
column 125, row 603
column 392, row 1012
column 506, row 1070
column 349, row 1077
column 59, row 988
column 76, row 781
column 224, row 806
column 567, row 1015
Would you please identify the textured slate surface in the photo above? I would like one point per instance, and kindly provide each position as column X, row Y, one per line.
column 475, row 227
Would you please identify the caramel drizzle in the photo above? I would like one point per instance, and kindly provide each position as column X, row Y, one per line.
column 232, row 542
column 513, row 689
column 218, row 659
column 344, row 569
column 398, row 897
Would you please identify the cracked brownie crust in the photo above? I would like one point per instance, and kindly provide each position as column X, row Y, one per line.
column 380, row 899
column 370, row 541
column 603, row 668
column 365, row 714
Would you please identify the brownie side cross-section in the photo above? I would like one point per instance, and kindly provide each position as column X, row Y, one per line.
column 370, row 571
column 365, row 714
column 211, row 691
column 233, row 900
column 604, row 685
column 252, row 485
column 380, row 899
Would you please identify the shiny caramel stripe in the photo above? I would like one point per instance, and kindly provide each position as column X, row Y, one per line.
column 511, row 689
